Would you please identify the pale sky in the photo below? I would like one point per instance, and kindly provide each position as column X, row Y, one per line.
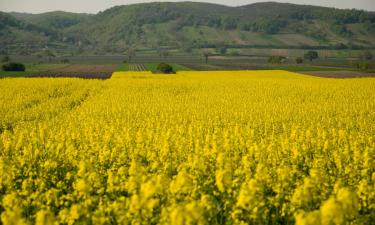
column 94, row 6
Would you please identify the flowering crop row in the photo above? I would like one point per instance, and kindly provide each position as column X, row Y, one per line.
column 266, row 147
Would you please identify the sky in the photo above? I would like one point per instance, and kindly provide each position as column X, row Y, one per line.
column 94, row 6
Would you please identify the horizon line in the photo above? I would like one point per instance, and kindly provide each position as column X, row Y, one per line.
column 166, row 2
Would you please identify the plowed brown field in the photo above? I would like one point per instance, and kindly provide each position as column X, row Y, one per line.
column 339, row 74
column 82, row 71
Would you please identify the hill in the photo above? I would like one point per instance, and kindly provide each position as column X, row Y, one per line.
column 56, row 19
column 191, row 25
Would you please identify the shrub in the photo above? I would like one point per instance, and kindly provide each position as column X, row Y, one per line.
column 165, row 68
column 311, row 55
column 206, row 54
column 276, row 59
column 361, row 65
column 367, row 55
column 299, row 60
column 65, row 61
column 234, row 53
column 221, row 50
column 14, row 67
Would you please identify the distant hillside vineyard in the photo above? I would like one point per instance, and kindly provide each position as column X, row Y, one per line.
column 188, row 25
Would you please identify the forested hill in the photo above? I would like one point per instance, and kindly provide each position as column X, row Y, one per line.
column 188, row 24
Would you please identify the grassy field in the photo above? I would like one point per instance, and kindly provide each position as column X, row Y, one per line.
column 31, row 69
column 151, row 66
column 215, row 63
column 123, row 67
column 326, row 56
column 286, row 67
column 261, row 147
column 176, row 67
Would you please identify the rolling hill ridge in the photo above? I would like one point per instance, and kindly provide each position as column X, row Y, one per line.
column 188, row 25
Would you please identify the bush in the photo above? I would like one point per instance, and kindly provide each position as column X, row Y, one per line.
column 165, row 68
column 311, row 55
column 221, row 50
column 361, row 65
column 206, row 54
column 234, row 53
column 367, row 55
column 276, row 59
column 14, row 67
column 299, row 60
column 65, row 61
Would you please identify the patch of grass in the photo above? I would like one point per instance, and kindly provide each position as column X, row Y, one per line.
column 31, row 68
column 14, row 74
column 123, row 67
column 272, row 40
column 151, row 66
column 176, row 67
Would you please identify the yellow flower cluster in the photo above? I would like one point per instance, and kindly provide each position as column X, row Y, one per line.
column 243, row 147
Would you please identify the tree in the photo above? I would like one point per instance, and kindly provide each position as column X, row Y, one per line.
column 80, row 50
column 299, row 60
column 367, row 55
column 234, row 53
column 206, row 54
column 130, row 53
column 165, row 68
column 14, row 67
column 361, row 65
column 277, row 59
column 311, row 55
column 49, row 54
column 230, row 23
column 65, row 61
column 221, row 49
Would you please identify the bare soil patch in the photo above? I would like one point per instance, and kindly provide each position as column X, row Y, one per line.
column 339, row 74
column 81, row 71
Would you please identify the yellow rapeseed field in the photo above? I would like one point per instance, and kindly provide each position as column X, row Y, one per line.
column 266, row 147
